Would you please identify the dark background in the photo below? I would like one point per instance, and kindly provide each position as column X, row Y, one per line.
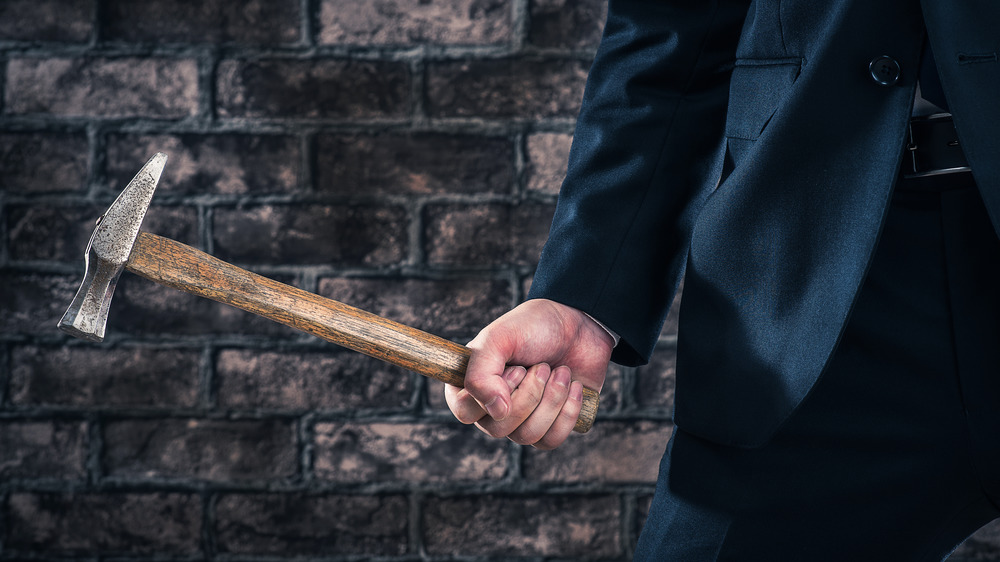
column 402, row 156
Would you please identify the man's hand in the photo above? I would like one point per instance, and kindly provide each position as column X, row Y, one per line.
column 553, row 351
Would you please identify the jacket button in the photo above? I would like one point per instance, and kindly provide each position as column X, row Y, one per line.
column 884, row 70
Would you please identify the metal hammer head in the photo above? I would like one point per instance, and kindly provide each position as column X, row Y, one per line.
column 107, row 252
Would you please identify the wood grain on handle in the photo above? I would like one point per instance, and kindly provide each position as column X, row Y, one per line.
column 180, row 266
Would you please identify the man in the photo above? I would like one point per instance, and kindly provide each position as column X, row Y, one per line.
column 838, row 373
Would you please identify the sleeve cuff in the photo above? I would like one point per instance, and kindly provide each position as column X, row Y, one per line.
column 612, row 333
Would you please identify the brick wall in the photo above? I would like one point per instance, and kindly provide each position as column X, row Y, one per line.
column 402, row 156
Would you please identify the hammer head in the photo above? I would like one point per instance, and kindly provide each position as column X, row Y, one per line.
column 107, row 252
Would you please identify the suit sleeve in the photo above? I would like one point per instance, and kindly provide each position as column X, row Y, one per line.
column 647, row 151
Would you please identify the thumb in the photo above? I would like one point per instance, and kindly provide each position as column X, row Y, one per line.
column 484, row 379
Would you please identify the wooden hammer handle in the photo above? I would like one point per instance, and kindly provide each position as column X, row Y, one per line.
column 180, row 266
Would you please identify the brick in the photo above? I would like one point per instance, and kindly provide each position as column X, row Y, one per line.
column 33, row 303
column 159, row 88
column 567, row 24
column 144, row 308
column 61, row 233
column 65, row 21
column 310, row 89
column 202, row 164
column 43, row 162
column 299, row 381
column 597, row 456
column 321, row 525
column 506, row 88
column 49, row 232
column 201, row 21
column 103, row 524
column 655, row 381
column 355, row 452
column 104, row 376
column 547, row 157
column 178, row 223
column 416, row 163
column 611, row 392
column 312, row 234
column 486, row 234
column 405, row 22
column 212, row 450
column 448, row 308
column 43, row 449
column 642, row 506
column 435, row 396
column 570, row 527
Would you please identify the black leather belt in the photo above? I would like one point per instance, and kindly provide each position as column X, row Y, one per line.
column 933, row 148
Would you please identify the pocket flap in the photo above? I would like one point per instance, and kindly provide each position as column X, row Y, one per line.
column 756, row 90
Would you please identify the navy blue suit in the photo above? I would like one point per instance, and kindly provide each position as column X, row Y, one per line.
column 747, row 148
column 774, row 255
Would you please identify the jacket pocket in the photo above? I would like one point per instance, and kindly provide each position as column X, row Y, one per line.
column 756, row 90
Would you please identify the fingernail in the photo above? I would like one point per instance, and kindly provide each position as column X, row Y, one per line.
column 513, row 375
column 542, row 372
column 497, row 409
column 562, row 375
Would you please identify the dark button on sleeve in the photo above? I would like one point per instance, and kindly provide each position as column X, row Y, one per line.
column 884, row 70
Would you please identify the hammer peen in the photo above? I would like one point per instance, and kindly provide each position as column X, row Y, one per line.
column 117, row 244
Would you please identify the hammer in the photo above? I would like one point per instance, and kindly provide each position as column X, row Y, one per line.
column 117, row 244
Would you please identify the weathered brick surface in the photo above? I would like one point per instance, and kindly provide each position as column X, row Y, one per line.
column 317, row 525
column 215, row 450
column 61, row 524
column 315, row 234
column 46, row 20
column 323, row 88
column 565, row 526
column 92, row 376
column 60, row 233
column 46, row 232
column 406, row 22
column 547, row 156
column 202, row 21
column 32, row 303
column 309, row 381
column 571, row 24
column 211, row 164
column 372, row 452
column 597, row 456
column 43, row 162
column 161, row 88
column 506, row 88
column 402, row 156
column 414, row 164
column 32, row 449
column 486, row 234
column 655, row 381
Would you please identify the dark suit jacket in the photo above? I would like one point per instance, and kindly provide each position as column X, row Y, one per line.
column 774, row 254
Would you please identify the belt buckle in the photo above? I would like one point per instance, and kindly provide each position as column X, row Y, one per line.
column 933, row 147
